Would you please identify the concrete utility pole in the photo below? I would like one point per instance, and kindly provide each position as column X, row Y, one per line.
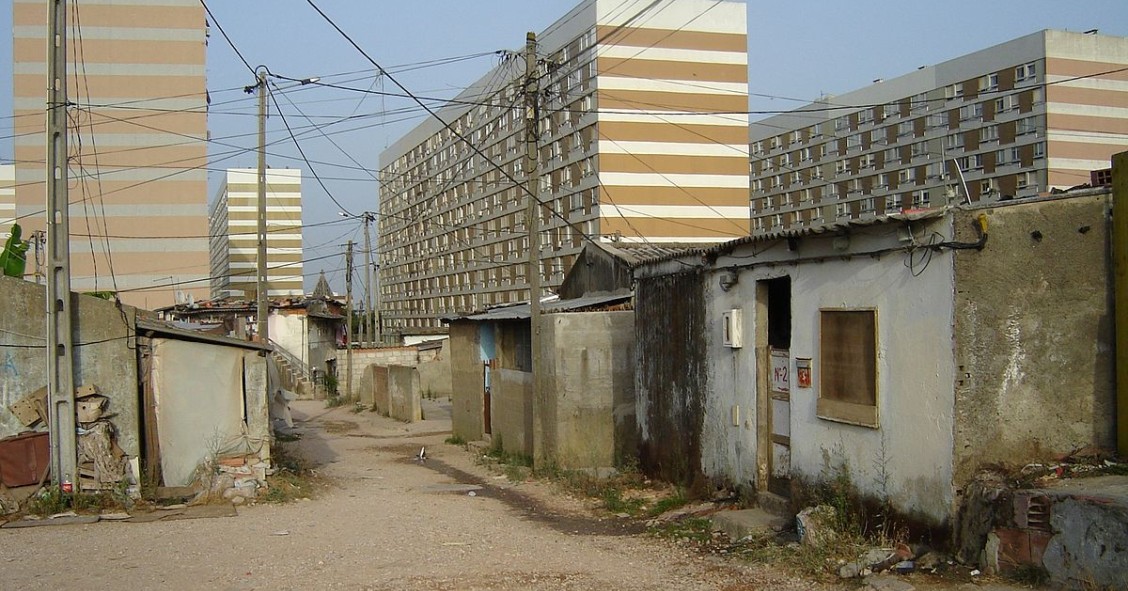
column 1120, row 289
column 532, row 223
column 348, row 319
column 369, row 324
column 263, row 309
column 60, row 381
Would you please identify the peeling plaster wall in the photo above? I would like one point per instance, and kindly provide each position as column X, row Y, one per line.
column 908, row 458
column 1035, row 334
column 109, row 361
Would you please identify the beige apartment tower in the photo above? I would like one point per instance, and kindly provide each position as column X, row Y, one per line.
column 234, row 234
column 1028, row 116
column 642, row 139
column 138, row 188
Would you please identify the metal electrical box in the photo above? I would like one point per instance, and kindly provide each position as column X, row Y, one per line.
column 732, row 327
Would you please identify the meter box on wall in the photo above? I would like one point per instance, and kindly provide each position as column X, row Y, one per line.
column 732, row 328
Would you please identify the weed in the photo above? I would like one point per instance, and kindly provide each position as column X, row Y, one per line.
column 333, row 400
column 615, row 502
column 358, row 407
column 455, row 440
column 696, row 529
column 51, row 500
column 293, row 477
column 674, row 501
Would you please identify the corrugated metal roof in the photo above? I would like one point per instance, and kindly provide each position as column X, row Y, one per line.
column 167, row 329
column 522, row 311
column 830, row 228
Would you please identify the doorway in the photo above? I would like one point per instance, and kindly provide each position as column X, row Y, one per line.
column 775, row 380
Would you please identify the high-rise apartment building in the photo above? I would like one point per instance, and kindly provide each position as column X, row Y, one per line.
column 642, row 138
column 1027, row 116
column 7, row 199
column 234, row 234
column 138, row 116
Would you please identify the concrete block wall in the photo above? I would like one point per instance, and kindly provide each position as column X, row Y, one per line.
column 403, row 394
column 362, row 358
column 511, row 410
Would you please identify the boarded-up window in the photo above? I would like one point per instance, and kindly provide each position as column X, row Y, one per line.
column 848, row 366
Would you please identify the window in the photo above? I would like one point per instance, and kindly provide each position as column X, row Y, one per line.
column 954, row 141
column 840, row 123
column 953, row 91
column 1006, row 103
column 866, row 161
column 989, row 83
column 989, row 133
column 805, row 154
column 974, row 111
column 906, row 175
column 854, row 142
column 1025, row 72
column 920, row 199
column 893, row 204
column 920, row 149
column 904, row 128
column 883, row 180
column 758, row 147
column 1026, row 125
column 848, row 366
column 1040, row 150
column 919, row 102
column 865, row 116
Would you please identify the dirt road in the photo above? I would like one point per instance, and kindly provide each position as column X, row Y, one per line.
column 386, row 522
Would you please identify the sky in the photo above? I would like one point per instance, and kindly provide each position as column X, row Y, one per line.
column 799, row 50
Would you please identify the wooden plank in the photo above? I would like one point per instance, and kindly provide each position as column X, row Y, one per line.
column 846, row 412
column 783, row 440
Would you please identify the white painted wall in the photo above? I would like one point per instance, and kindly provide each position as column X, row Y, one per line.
column 916, row 371
column 289, row 330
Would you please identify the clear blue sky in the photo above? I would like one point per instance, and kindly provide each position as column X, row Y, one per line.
column 798, row 49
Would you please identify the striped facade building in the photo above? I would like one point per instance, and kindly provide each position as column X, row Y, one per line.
column 1031, row 115
column 7, row 199
column 642, row 138
column 233, row 227
column 138, row 189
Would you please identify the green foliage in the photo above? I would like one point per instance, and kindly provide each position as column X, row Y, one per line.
column 51, row 500
column 13, row 259
column 674, row 501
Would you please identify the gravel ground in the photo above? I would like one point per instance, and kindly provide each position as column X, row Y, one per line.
column 384, row 522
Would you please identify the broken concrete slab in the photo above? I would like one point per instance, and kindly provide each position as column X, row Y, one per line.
column 742, row 523
column 68, row 520
column 887, row 583
column 194, row 512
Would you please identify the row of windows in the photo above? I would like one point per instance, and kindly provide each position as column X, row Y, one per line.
column 922, row 102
